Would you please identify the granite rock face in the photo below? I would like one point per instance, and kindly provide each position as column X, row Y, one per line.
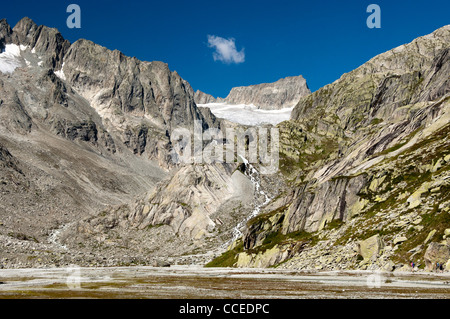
column 203, row 98
column 284, row 93
column 196, row 192
column 436, row 253
column 82, row 129
column 365, row 155
column 271, row 96
column 114, row 83
column 44, row 40
column 143, row 101
column 311, row 210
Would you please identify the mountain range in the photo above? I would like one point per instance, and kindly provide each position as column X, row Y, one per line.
column 86, row 176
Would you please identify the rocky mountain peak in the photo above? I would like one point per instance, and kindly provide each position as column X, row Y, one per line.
column 203, row 98
column 43, row 40
column 284, row 93
column 281, row 94
column 116, row 83
column 5, row 33
column 25, row 28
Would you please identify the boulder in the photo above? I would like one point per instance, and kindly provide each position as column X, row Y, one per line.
column 436, row 252
column 370, row 248
column 399, row 240
column 161, row 264
column 430, row 235
column 388, row 266
column 416, row 198
column 402, row 268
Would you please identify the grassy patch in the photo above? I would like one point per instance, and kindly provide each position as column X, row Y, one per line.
column 277, row 238
column 391, row 149
column 227, row 259
column 230, row 257
column 381, row 232
column 306, row 153
column 154, row 226
column 21, row 236
column 337, row 223
column 435, row 220
column 376, row 121
column 265, row 217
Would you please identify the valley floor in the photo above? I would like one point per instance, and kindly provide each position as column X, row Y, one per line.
column 194, row 282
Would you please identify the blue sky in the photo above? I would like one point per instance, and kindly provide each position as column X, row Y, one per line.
column 319, row 39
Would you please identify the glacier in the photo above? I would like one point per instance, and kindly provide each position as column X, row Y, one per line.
column 248, row 114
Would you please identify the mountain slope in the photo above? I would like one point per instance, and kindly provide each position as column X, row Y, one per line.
column 82, row 128
column 86, row 175
column 353, row 154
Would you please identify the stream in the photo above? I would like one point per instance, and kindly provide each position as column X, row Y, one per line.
column 252, row 173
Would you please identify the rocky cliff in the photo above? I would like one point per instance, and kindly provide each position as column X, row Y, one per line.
column 366, row 158
column 271, row 96
column 284, row 93
column 203, row 98
column 83, row 129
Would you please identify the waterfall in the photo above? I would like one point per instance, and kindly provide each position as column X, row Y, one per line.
column 252, row 173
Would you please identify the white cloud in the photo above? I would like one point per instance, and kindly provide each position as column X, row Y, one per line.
column 225, row 50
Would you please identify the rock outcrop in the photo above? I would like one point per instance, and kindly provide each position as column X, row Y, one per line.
column 82, row 128
column 284, row 93
column 7, row 160
column 203, row 98
column 365, row 158
column 370, row 248
column 436, row 253
column 311, row 210
column 187, row 201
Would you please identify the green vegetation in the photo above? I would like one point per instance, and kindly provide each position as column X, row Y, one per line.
column 21, row 236
column 265, row 217
column 435, row 220
column 227, row 259
column 154, row 226
column 391, row 149
column 312, row 153
column 184, row 205
column 376, row 121
column 337, row 223
column 230, row 257
column 439, row 139
column 277, row 238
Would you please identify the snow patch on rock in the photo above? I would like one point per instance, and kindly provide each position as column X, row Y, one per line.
column 10, row 58
column 248, row 114
column 60, row 73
